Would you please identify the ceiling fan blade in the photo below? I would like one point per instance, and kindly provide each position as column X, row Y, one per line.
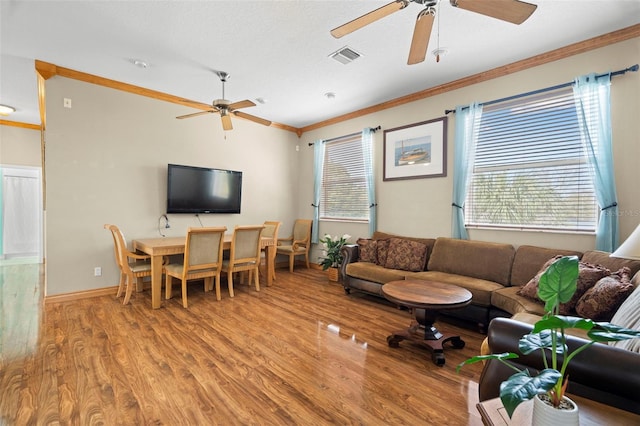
column 513, row 11
column 421, row 35
column 242, row 104
column 226, row 122
column 368, row 18
column 195, row 114
column 252, row 118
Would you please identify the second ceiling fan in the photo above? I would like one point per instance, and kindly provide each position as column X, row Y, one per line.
column 226, row 108
column 513, row 11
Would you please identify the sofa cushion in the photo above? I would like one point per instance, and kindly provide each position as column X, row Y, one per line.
column 480, row 289
column 367, row 250
column 509, row 300
column 602, row 300
column 628, row 316
column 477, row 259
column 383, row 248
column 406, row 255
column 603, row 258
column 375, row 273
column 529, row 259
column 589, row 275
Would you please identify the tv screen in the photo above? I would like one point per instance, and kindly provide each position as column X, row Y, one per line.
column 203, row 190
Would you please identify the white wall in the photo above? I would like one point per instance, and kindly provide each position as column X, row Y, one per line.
column 422, row 207
column 106, row 162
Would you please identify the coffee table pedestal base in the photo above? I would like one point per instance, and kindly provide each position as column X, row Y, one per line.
column 425, row 334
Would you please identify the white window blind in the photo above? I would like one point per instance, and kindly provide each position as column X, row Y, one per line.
column 344, row 187
column 530, row 168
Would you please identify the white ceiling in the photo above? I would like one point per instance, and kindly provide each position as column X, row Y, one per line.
column 276, row 50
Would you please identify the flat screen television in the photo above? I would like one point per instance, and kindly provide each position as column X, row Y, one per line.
column 203, row 190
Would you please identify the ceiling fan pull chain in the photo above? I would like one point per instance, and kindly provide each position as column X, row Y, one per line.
column 438, row 50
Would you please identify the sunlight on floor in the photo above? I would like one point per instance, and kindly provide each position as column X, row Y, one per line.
column 20, row 291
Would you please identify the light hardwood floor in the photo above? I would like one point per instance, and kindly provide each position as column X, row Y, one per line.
column 298, row 352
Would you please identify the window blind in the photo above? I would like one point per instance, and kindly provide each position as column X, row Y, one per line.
column 344, row 187
column 530, row 168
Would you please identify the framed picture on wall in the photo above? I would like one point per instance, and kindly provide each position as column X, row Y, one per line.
column 416, row 151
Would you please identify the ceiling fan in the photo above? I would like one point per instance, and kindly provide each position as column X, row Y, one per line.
column 226, row 108
column 513, row 11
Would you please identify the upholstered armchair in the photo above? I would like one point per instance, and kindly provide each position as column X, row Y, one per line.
column 298, row 244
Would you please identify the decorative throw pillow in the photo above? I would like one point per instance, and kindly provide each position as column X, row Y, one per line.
column 383, row 248
column 406, row 255
column 368, row 250
column 530, row 289
column 602, row 300
column 588, row 276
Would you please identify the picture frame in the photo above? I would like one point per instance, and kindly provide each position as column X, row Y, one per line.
column 416, row 151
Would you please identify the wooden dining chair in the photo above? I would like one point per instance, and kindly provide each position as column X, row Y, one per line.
column 271, row 231
column 133, row 266
column 202, row 260
column 298, row 244
column 244, row 254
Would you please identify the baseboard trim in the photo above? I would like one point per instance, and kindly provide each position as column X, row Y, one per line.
column 108, row 291
column 87, row 294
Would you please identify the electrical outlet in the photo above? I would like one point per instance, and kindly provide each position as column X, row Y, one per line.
column 97, row 271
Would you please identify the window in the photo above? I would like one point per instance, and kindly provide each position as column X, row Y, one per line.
column 344, row 186
column 530, row 170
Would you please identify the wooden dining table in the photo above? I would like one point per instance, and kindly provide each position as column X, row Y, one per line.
column 159, row 247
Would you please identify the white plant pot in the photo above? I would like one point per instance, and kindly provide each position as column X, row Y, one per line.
column 547, row 415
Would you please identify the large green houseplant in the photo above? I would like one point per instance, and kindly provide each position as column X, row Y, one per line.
column 557, row 285
column 331, row 247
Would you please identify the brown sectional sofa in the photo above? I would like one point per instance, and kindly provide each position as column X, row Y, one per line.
column 492, row 272
column 609, row 374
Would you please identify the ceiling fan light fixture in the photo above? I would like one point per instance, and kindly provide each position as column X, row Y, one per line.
column 440, row 52
column 6, row 110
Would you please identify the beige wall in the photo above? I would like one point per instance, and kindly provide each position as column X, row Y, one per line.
column 107, row 156
column 422, row 207
column 107, row 162
column 20, row 146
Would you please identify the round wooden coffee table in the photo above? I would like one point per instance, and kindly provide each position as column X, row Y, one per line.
column 426, row 298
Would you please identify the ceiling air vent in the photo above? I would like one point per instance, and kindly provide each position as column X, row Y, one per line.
column 345, row 55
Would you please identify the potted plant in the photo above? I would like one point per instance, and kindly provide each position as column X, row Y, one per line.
column 557, row 285
column 331, row 256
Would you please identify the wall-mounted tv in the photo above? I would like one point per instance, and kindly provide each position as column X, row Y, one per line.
column 203, row 190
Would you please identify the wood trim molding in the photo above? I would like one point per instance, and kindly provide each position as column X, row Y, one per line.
column 20, row 124
column 47, row 70
column 544, row 58
column 107, row 291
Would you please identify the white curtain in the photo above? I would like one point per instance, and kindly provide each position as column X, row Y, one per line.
column 20, row 214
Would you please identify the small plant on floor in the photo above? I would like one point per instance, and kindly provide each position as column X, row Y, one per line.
column 331, row 256
column 557, row 285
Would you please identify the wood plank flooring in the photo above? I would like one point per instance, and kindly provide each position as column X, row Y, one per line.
column 300, row 352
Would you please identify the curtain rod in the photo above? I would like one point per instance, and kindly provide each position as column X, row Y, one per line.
column 373, row 129
column 632, row 68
